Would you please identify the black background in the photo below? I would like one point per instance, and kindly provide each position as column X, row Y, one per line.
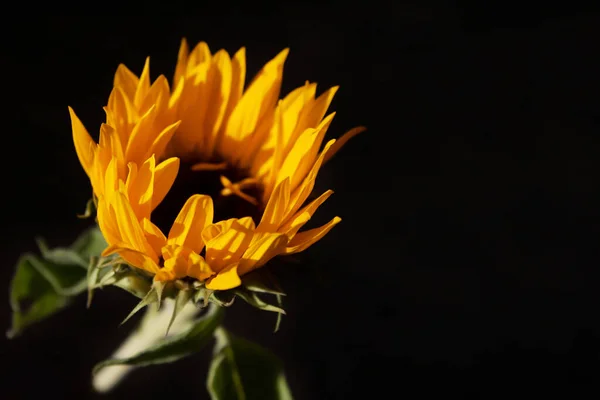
column 466, row 262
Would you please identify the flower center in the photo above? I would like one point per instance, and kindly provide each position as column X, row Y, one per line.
column 235, row 194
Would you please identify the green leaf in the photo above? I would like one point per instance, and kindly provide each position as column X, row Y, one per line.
column 172, row 348
column 38, row 290
column 43, row 285
column 89, row 244
column 242, row 370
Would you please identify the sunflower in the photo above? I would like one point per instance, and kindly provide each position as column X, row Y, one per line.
column 208, row 132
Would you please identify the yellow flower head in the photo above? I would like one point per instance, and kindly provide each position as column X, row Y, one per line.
column 266, row 151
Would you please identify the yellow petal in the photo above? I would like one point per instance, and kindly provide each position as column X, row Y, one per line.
column 121, row 114
column 83, row 142
column 132, row 256
column 164, row 176
column 304, row 240
column 127, row 80
column 303, row 154
column 291, row 227
column 219, row 78
column 200, row 55
column 276, row 208
column 318, row 109
column 293, row 107
column 177, row 264
column 238, row 78
column 226, row 247
column 156, row 239
column 111, row 178
column 158, row 94
column 302, row 192
column 107, row 222
column 228, row 278
column 256, row 102
column 261, row 251
column 142, row 135
column 182, row 57
column 141, row 189
column 196, row 213
column 110, row 140
column 129, row 227
column 160, row 143
column 342, row 141
column 143, row 85
column 198, row 267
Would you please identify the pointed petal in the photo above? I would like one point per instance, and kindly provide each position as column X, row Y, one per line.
column 143, row 85
column 83, row 142
column 256, row 102
column 302, row 156
column 156, row 239
column 133, row 257
column 229, row 244
column 158, row 94
column 196, row 213
column 129, row 227
column 228, row 278
column 111, row 178
column 219, row 89
column 304, row 240
column 238, row 78
column 127, row 80
column 175, row 266
column 160, row 143
column 142, row 135
column 301, row 193
column 110, row 140
column 199, row 55
column 107, row 222
column 182, row 58
column 198, row 267
column 294, row 105
column 342, row 141
column 291, row 227
column 318, row 109
column 141, row 189
column 276, row 208
column 164, row 176
column 261, row 251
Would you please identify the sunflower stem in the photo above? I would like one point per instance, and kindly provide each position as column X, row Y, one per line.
column 146, row 335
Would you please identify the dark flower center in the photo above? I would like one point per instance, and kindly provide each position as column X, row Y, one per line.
column 189, row 182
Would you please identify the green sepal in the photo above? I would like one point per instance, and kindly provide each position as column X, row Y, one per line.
column 223, row 298
column 262, row 281
column 182, row 298
column 175, row 347
column 90, row 207
column 243, row 370
column 254, row 300
column 150, row 298
column 132, row 282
